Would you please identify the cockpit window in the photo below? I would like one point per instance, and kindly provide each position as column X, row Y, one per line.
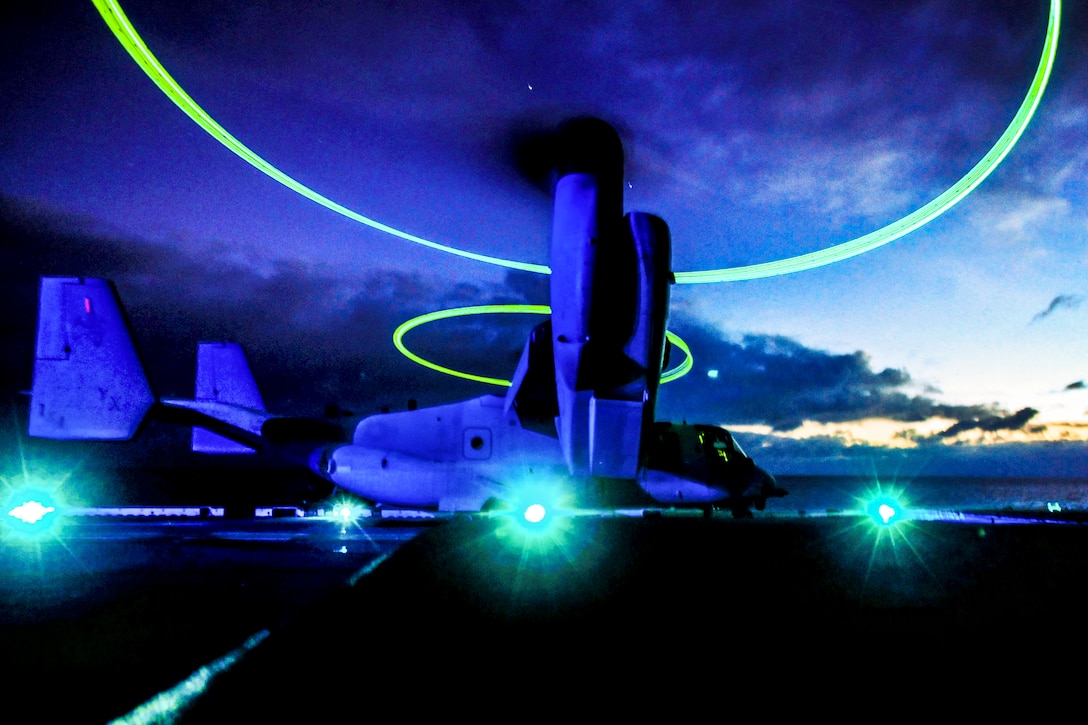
column 736, row 446
column 680, row 448
column 718, row 443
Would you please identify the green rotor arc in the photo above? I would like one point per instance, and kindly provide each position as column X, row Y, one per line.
column 398, row 340
column 132, row 42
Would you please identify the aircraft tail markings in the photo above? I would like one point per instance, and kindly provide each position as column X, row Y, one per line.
column 223, row 376
column 88, row 380
column 89, row 383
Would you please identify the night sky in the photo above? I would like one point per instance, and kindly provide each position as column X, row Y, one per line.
column 758, row 130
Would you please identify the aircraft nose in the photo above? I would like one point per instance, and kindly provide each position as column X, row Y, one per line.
column 766, row 483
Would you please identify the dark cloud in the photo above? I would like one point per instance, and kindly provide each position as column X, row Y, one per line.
column 992, row 423
column 311, row 338
column 1079, row 385
column 1061, row 302
column 526, row 287
column 779, row 382
column 779, row 75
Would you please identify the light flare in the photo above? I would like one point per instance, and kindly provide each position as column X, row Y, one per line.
column 347, row 512
column 535, row 513
column 30, row 513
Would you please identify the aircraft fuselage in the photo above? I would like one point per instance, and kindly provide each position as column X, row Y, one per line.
column 462, row 456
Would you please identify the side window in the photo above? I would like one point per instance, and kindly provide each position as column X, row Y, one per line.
column 476, row 444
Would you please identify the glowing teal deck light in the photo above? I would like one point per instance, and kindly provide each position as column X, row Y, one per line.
column 884, row 510
column 398, row 340
column 346, row 512
column 31, row 512
column 535, row 513
column 117, row 21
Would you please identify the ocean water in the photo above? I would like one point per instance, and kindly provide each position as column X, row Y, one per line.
column 843, row 493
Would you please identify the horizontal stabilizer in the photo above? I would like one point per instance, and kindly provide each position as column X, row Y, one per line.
column 239, row 427
column 223, row 376
column 88, row 380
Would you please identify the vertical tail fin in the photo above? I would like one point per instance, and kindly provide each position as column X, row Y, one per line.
column 223, row 375
column 88, row 380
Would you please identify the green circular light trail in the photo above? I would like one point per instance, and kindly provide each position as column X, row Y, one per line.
column 134, row 44
column 685, row 367
column 919, row 217
column 127, row 35
column 400, row 332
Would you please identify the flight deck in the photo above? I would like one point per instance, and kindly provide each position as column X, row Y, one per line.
column 207, row 617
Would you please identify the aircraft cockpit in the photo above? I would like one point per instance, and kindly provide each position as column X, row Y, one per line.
column 688, row 449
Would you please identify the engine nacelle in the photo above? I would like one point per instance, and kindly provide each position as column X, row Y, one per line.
column 609, row 289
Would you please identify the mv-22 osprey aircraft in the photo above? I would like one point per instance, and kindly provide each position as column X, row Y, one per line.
column 577, row 421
